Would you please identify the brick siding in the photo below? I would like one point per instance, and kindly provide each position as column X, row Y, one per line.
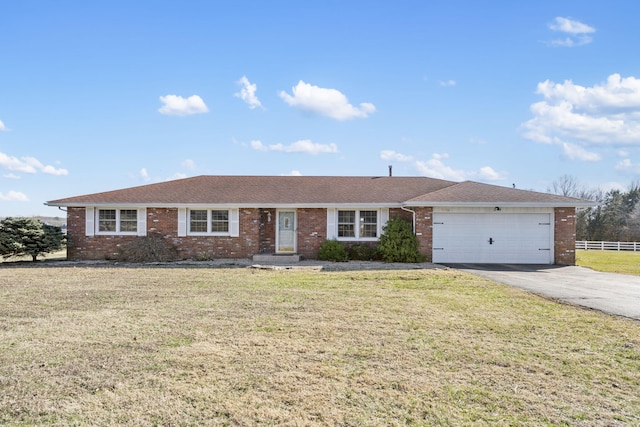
column 424, row 231
column 312, row 231
column 565, row 236
column 258, row 234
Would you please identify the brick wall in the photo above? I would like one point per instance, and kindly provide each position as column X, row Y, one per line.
column 257, row 234
column 565, row 236
column 312, row 231
column 424, row 231
column 164, row 221
column 267, row 227
column 81, row 247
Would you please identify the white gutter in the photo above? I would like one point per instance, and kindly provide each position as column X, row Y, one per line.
column 413, row 213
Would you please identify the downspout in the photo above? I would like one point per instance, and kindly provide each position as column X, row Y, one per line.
column 413, row 213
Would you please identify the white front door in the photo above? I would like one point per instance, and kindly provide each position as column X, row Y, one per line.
column 286, row 233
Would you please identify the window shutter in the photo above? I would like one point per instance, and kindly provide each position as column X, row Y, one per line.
column 331, row 223
column 234, row 222
column 384, row 217
column 142, row 222
column 89, row 223
column 182, row 222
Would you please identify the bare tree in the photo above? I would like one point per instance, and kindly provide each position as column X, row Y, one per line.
column 566, row 185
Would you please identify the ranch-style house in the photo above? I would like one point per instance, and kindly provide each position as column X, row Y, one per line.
column 245, row 216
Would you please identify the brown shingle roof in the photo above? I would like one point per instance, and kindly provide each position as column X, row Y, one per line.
column 262, row 190
column 479, row 193
column 315, row 190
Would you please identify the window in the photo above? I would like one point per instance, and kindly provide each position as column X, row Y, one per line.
column 219, row 221
column 107, row 220
column 368, row 224
column 346, row 223
column 358, row 224
column 204, row 221
column 198, row 221
column 129, row 220
column 113, row 221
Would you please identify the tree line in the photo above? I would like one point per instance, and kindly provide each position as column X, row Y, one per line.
column 616, row 216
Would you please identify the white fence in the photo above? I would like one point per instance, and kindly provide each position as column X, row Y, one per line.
column 608, row 246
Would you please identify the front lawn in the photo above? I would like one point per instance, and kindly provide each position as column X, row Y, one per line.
column 625, row 262
column 196, row 346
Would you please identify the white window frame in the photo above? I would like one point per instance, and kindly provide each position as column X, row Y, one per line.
column 209, row 222
column 93, row 221
column 379, row 224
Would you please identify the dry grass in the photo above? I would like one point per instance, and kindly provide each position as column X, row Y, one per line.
column 624, row 262
column 154, row 346
column 53, row 256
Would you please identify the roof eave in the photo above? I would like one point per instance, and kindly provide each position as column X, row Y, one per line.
column 223, row 205
column 585, row 204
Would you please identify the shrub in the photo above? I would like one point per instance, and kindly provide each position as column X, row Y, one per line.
column 151, row 248
column 398, row 243
column 362, row 252
column 332, row 250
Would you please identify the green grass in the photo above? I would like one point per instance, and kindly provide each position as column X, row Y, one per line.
column 625, row 262
column 196, row 346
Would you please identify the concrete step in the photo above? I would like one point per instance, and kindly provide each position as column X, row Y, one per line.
column 277, row 258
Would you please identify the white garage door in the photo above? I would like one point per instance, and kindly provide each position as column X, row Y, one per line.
column 493, row 238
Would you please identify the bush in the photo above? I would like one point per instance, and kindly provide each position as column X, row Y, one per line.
column 398, row 243
column 362, row 252
column 151, row 248
column 332, row 250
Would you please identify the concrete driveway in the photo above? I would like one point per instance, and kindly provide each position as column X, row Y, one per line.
column 617, row 294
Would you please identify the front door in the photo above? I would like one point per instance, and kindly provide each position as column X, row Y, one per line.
column 286, row 232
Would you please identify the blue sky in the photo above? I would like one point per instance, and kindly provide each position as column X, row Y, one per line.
column 100, row 95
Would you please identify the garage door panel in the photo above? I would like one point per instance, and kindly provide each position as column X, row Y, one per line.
column 492, row 238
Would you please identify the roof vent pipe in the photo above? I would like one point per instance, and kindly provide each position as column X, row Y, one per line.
column 390, row 168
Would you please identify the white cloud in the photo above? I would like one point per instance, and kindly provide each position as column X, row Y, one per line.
column 447, row 83
column 14, row 196
column 292, row 173
column 144, row 174
column 188, row 164
column 2, row 126
column 435, row 168
column 28, row 165
column 571, row 26
column 11, row 176
column 575, row 152
column 487, row 173
column 327, row 102
column 14, row 164
column 628, row 167
column 577, row 32
column 248, row 93
column 177, row 175
column 175, row 105
column 301, row 146
column 392, row 156
column 258, row 145
column 574, row 116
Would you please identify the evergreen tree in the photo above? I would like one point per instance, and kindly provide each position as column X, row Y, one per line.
column 28, row 236
column 398, row 243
